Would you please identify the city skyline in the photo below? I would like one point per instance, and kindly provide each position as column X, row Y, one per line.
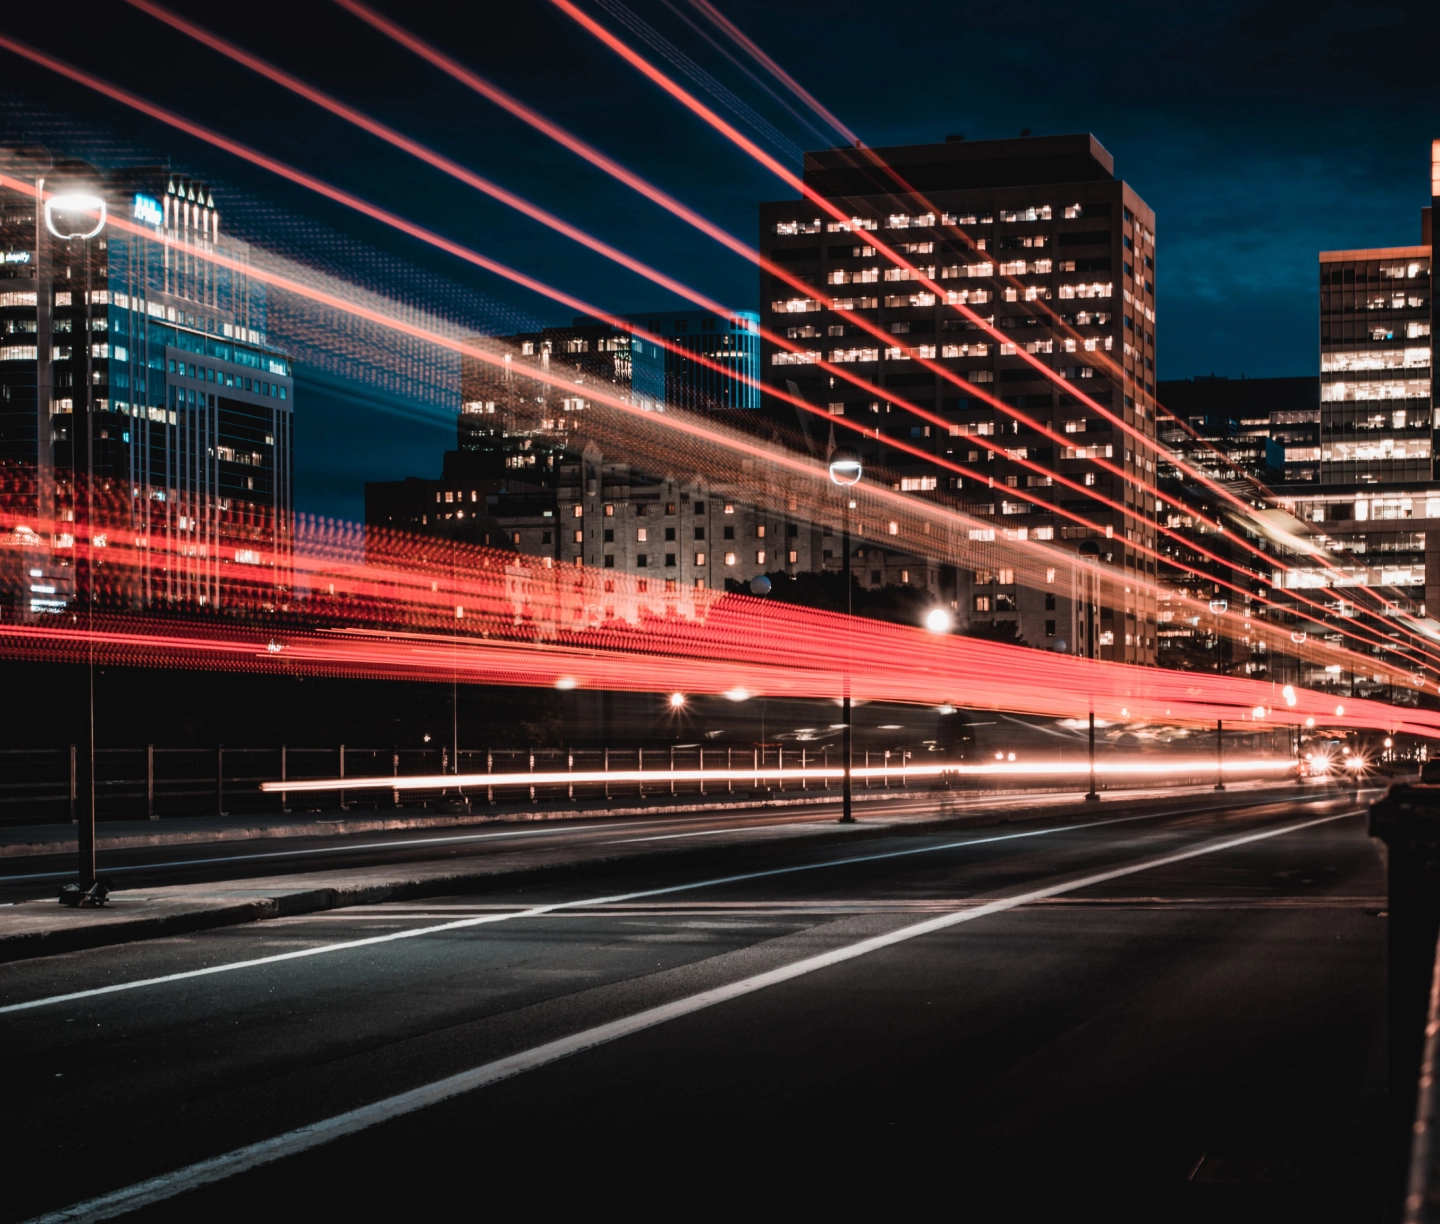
column 1242, row 208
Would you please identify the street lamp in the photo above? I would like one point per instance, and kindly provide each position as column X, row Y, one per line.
column 845, row 471
column 760, row 587
column 78, row 215
column 938, row 620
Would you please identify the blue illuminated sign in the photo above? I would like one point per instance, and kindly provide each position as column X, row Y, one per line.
column 147, row 209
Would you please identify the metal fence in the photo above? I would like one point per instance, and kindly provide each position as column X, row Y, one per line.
column 154, row 782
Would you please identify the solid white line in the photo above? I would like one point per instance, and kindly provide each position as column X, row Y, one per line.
column 218, row 1168
column 538, row 910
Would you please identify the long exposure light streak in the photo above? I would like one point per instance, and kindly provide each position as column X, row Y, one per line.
column 555, row 132
column 799, row 403
column 425, row 154
column 902, row 447
column 384, row 132
column 697, row 431
column 680, row 94
column 1169, row 767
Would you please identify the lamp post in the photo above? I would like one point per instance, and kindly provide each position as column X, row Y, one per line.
column 845, row 471
column 1091, row 552
column 78, row 216
column 760, row 587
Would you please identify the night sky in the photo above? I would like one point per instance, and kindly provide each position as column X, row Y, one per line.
column 1259, row 133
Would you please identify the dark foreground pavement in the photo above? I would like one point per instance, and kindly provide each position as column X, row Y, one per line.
column 1201, row 1039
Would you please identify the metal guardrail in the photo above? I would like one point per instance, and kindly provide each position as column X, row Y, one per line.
column 38, row 785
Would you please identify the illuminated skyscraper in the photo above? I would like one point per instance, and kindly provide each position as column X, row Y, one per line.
column 1040, row 239
column 138, row 330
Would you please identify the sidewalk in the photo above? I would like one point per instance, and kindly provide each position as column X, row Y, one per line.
column 45, row 928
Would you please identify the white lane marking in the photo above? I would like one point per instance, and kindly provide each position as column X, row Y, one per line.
column 302, row 1139
column 538, row 910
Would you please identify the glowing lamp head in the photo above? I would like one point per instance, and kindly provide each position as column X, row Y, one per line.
column 565, row 683
column 1288, row 692
column 845, row 469
column 937, row 620
column 1340, row 711
column 1309, row 722
column 1389, row 743
column 75, row 214
column 737, row 694
column 677, row 700
column 1218, row 606
column 1258, row 712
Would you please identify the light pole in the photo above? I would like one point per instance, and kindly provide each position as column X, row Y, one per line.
column 78, row 216
column 760, row 587
column 845, row 471
column 1091, row 552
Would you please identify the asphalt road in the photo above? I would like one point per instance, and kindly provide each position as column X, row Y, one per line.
column 1174, row 1017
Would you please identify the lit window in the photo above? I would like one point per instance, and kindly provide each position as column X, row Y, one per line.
column 729, row 507
column 760, row 557
column 641, row 535
column 699, row 558
column 729, row 558
column 609, row 511
column 579, row 511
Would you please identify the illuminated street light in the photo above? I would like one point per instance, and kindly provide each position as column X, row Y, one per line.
column 565, row 682
column 937, row 620
column 1218, row 606
column 1340, row 711
column 1309, row 722
column 80, row 215
column 76, row 214
column 677, row 700
column 845, row 470
column 737, row 694
column 1258, row 712
column 1288, row 692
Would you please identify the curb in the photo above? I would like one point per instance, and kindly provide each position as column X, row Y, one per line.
column 232, row 907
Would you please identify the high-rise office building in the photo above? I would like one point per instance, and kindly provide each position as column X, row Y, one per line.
column 137, row 329
column 1376, row 423
column 1038, row 237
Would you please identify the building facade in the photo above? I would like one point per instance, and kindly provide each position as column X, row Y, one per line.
column 150, row 329
column 1039, row 238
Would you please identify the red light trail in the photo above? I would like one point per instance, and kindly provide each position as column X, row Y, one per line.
column 639, row 184
column 530, row 283
column 917, row 535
